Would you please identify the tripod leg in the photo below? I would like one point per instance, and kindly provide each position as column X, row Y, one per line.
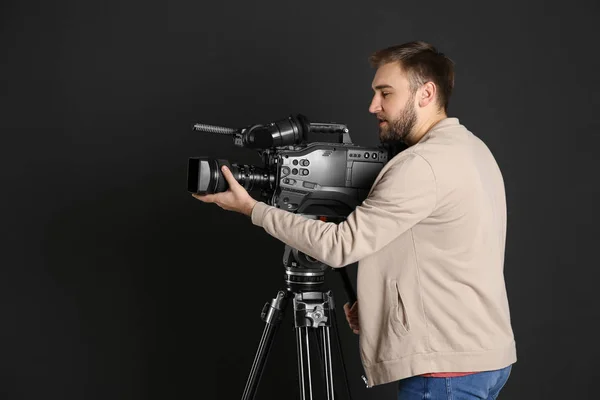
column 327, row 362
column 318, row 340
column 336, row 334
column 272, row 314
column 304, row 362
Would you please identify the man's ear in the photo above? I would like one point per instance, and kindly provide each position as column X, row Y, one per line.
column 427, row 94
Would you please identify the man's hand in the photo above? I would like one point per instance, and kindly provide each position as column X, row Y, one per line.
column 236, row 198
column 352, row 316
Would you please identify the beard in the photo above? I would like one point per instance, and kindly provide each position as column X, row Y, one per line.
column 393, row 135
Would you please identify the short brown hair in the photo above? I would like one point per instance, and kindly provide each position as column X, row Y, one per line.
column 423, row 63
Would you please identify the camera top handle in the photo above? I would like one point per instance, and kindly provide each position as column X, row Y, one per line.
column 289, row 131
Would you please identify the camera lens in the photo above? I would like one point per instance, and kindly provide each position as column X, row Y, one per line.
column 205, row 176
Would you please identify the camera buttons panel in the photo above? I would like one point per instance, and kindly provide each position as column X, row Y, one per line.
column 303, row 162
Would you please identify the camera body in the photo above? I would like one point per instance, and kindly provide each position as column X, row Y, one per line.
column 321, row 173
column 323, row 179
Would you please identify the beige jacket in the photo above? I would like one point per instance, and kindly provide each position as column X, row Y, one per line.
column 429, row 240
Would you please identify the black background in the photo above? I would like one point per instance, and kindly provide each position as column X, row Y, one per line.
column 117, row 284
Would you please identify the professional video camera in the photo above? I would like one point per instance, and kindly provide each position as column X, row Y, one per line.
column 298, row 175
column 320, row 180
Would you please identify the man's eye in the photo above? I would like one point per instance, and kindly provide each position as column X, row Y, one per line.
column 384, row 94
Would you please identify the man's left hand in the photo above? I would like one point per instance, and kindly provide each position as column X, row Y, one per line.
column 236, row 198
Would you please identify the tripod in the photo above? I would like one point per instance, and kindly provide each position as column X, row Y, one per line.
column 314, row 320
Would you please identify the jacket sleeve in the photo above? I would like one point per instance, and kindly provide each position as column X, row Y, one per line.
column 404, row 195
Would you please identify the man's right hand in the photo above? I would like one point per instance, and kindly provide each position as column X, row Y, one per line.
column 352, row 316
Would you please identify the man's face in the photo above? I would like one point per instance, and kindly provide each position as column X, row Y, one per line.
column 393, row 104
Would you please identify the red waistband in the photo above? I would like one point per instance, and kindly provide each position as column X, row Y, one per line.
column 447, row 374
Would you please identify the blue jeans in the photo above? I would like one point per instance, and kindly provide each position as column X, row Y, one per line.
column 482, row 385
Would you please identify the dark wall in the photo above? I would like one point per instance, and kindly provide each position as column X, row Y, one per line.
column 117, row 284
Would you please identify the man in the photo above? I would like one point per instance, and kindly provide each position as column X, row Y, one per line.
column 429, row 240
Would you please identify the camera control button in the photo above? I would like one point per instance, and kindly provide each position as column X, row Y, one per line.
column 304, row 171
column 285, row 171
column 295, row 171
column 309, row 185
column 295, row 162
column 304, row 163
column 366, row 155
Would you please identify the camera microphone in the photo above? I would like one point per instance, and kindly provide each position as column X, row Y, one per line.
column 214, row 129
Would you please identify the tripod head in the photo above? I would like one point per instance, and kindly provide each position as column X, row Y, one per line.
column 303, row 272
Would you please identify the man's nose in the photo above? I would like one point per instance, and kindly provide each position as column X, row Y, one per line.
column 375, row 106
